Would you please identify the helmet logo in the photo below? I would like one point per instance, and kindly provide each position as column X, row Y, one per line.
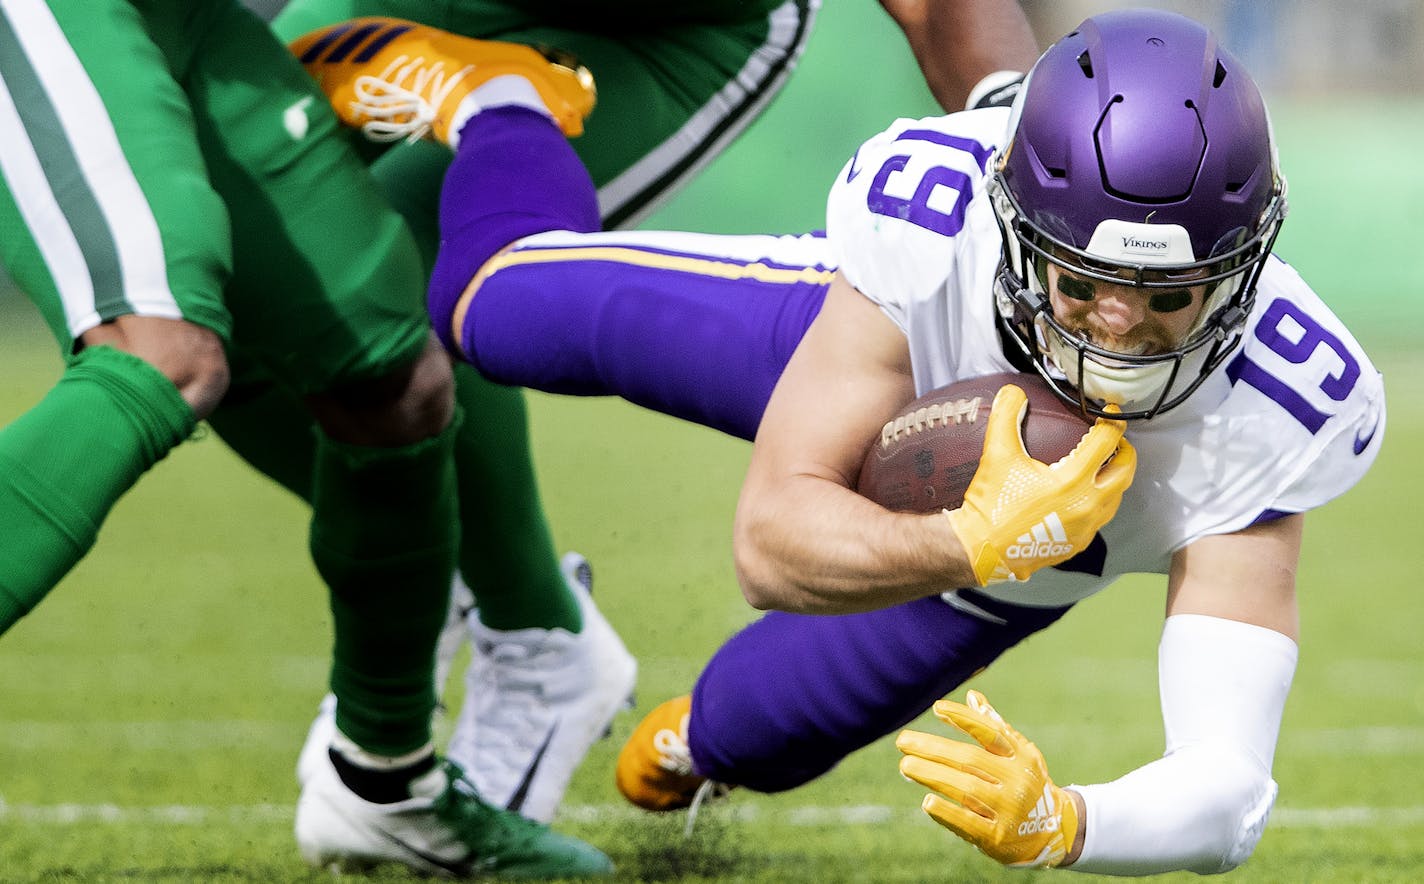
column 1129, row 242
column 1133, row 244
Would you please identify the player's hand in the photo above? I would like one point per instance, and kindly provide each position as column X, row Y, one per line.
column 996, row 795
column 1020, row 514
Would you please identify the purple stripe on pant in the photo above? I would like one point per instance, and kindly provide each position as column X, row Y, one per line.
column 790, row 695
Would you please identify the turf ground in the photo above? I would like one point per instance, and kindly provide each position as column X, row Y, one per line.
column 153, row 707
column 151, row 710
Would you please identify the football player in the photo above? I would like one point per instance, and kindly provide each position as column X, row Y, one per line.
column 175, row 193
column 678, row 81
column 1112, row 232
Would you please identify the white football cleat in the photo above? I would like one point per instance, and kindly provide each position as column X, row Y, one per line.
column 319, row 736
column 444, row 829
column 537, row 699
column 453, row 634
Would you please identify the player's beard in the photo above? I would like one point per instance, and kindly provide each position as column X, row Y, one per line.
column 1130, row 386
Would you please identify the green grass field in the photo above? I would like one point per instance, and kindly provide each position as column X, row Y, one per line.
column 152, row 708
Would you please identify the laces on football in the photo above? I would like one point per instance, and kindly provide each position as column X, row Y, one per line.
column 397, row 110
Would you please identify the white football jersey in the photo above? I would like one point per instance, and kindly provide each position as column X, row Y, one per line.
column 1289, row 421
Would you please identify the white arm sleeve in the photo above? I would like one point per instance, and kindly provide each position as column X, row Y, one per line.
column 1203, row 805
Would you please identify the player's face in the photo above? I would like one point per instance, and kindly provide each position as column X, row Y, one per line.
column 1123, row 318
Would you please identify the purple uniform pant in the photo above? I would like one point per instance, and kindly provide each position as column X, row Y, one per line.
column 696, row 335
column 698, row 327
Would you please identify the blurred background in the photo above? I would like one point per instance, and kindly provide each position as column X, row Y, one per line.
column 1292, row 46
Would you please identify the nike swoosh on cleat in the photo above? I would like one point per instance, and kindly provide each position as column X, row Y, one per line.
column 454, row 868
column 516, row 801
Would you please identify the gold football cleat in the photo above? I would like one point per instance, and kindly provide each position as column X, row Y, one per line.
column 655, row 765
column 396, row 79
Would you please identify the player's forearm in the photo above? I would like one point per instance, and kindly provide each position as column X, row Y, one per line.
column 1203, row 805
column 959, row 42
column 818, row 547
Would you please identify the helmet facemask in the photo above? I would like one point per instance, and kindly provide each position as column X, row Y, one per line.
column 1092, row 376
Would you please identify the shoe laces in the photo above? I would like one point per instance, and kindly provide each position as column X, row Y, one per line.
column 399, row 109
column 674, row 755
column 710, row 790
column 519, row 680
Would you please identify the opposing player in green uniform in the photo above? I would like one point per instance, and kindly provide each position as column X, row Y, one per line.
column 677, row 82
column 174, row 191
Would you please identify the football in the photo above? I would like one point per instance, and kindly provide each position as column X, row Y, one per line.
column 927, row 454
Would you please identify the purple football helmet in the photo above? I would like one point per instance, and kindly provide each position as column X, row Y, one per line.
column 1140, row 153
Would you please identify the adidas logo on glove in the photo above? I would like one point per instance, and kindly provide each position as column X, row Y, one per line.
column 1043, row 818
column 1047, row 538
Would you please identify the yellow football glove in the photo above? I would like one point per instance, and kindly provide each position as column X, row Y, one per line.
column 1020, row 514
column 1002, row 800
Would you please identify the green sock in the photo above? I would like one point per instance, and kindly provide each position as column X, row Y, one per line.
column 268, row 426
column 66, row 461
column 506, row 553
column 384, row 536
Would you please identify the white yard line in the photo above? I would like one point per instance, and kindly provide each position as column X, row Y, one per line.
column 283, row 736
column 806, row 815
